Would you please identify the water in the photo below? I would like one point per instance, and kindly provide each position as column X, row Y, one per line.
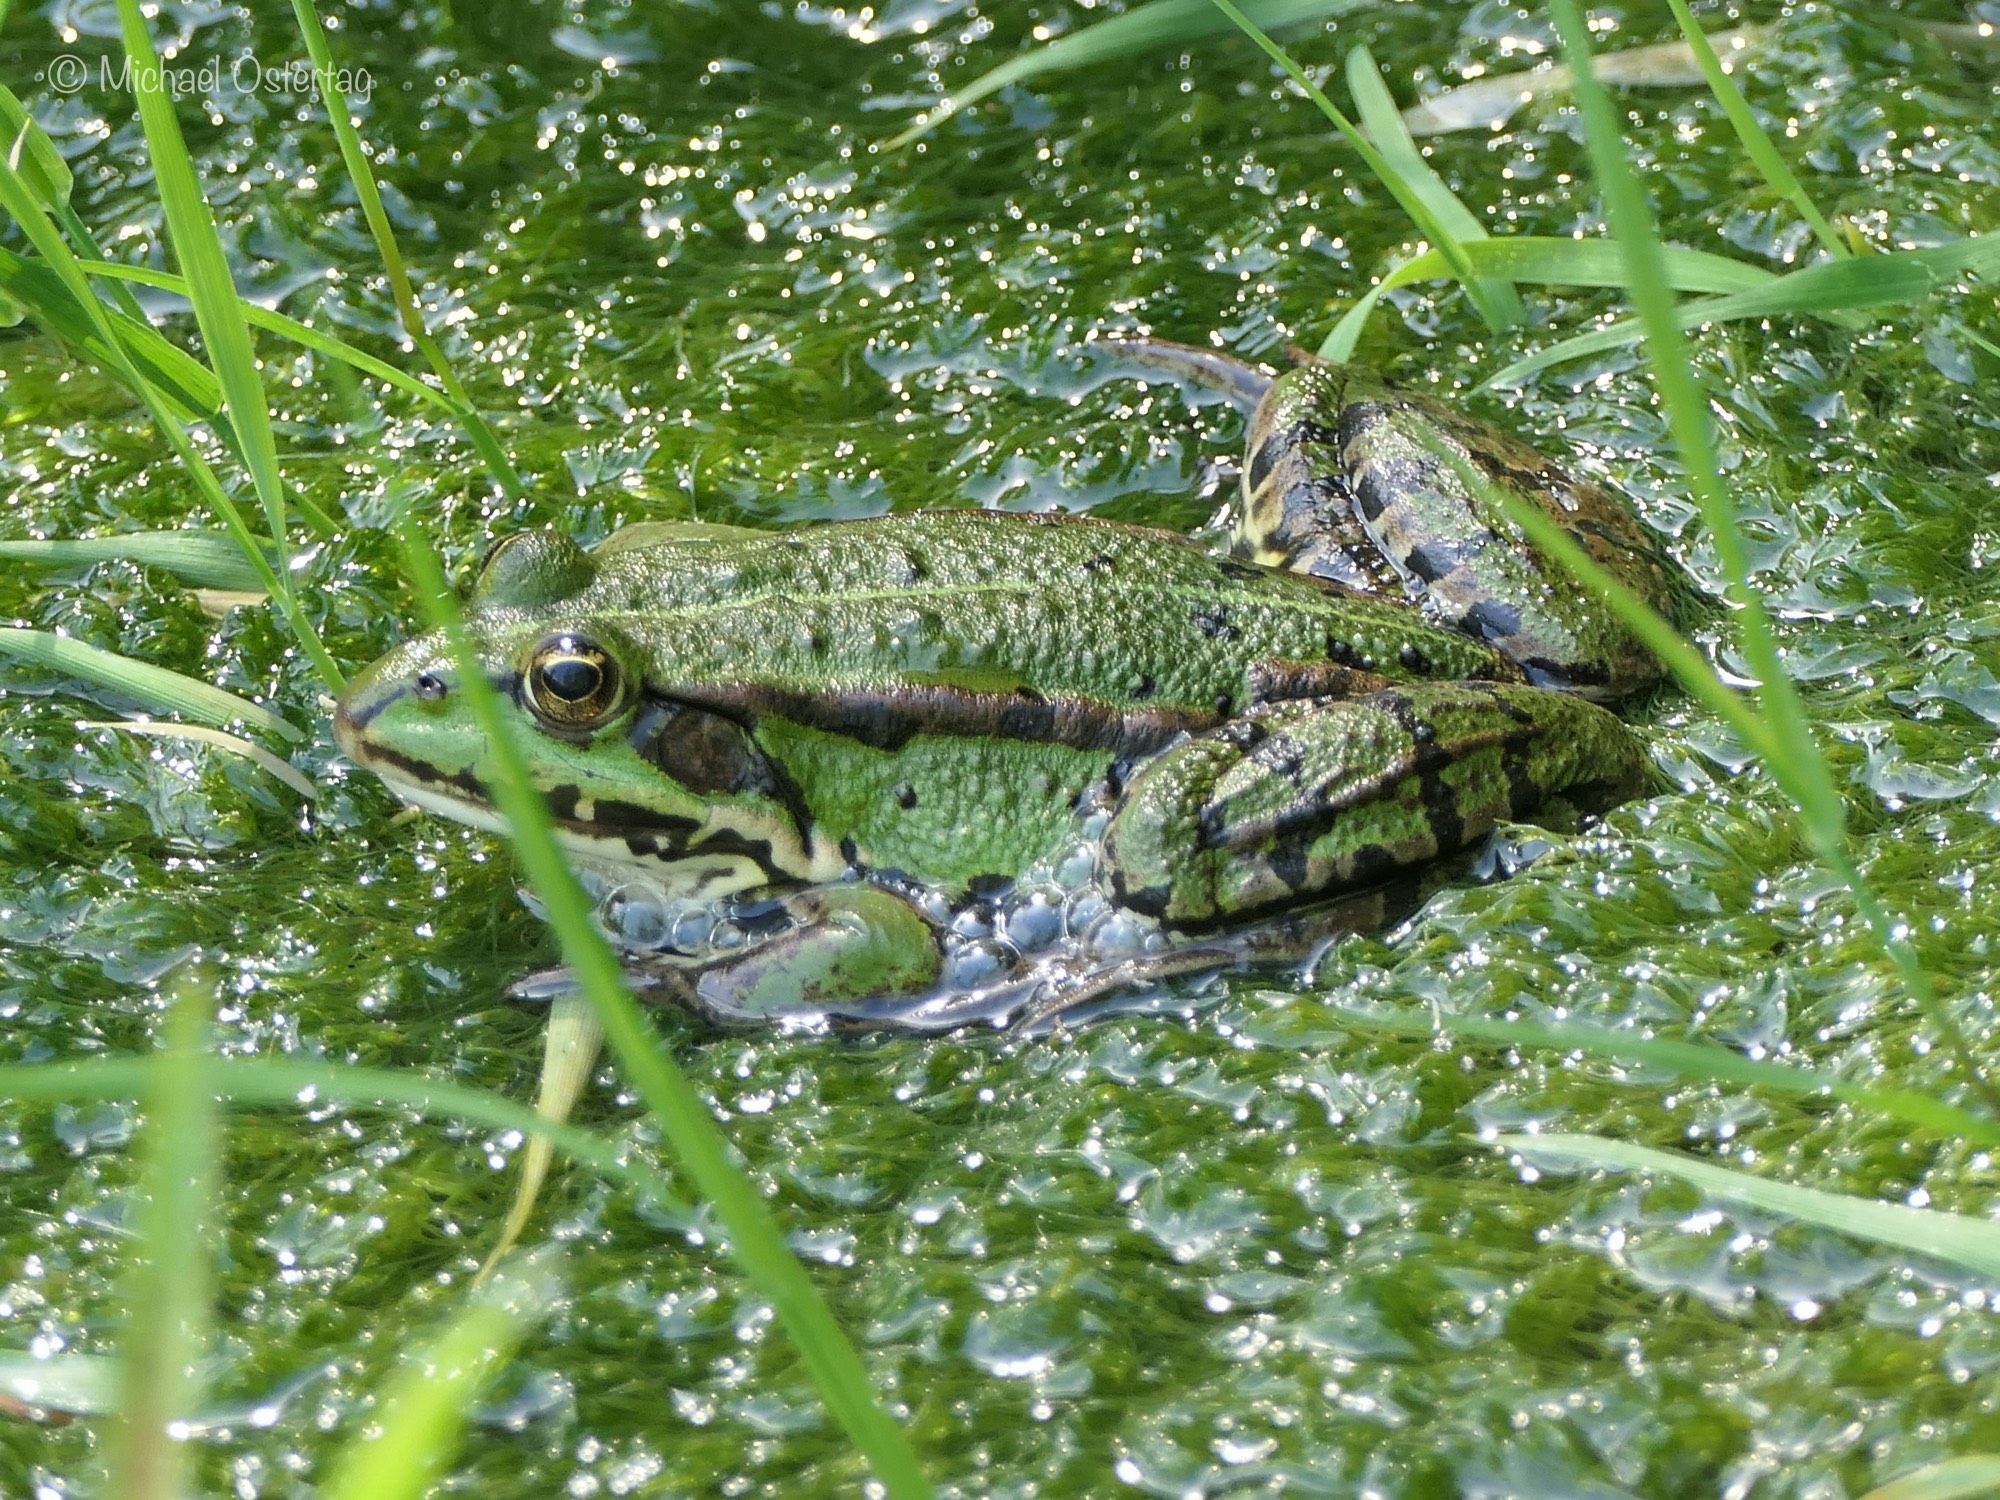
column 1251, row 1252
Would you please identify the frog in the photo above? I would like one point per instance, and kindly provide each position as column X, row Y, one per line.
column 838, row 740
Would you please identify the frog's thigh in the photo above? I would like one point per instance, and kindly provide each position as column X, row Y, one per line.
column 825, row 947
column 1301, row 800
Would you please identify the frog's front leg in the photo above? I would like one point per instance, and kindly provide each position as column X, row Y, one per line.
column 1321, row 797
column 825, row 949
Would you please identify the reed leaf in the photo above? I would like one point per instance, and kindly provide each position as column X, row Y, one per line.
column 1799, row 766
column 211, row 289
column 201, row 734
column 1546, row 260
column 15, row 199
column 326, row 79
column 1384, row 125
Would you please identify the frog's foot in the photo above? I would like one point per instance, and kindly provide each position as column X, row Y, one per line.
column 1067, row 989
column 1321, row 797
column 810, row 956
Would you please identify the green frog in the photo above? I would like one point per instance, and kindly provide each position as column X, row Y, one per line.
column 831, row 756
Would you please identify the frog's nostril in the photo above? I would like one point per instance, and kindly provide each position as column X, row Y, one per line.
column 431, row 687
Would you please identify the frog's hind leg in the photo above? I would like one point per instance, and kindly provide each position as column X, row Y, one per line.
column 1316, row 798
column 1243, row 383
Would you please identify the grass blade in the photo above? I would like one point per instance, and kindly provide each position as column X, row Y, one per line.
column 1706, row 1061
column 167, row 1288
column 211, row 289
column 158, row 688
column 200, row 559
column 16, row 200
column 1925, row 1232
column 72, row 1385
column 326, row 78
column 1384, row 125
column 202, row 735
column 31, row 152
column 1892, row 278
column 285, row 1084
column 191, row 392
column 1545, row 260
column 754, row 1239
column 1406, row 195
column 1163, row 23
column 424, row 1409
column 1743, row 120
column 1966, row 1478
column 569, row 1053
column 299, row 333
column 1490, row 102
column 1800, row 767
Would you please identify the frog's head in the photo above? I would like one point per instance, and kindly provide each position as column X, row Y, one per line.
column 632, row 777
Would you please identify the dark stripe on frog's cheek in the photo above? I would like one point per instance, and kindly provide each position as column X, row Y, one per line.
column 889, row 718
column 647, row 834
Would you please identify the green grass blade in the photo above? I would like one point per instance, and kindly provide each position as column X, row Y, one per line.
column 1925, row 1232
column 1163, row 23
column 285, row 1084
column 200, row 559
column 156, row 687
column 326, row 78
column 211, row 289
column 1545, row 260
column 755, row 1241
column 201, row 734
column 190, row 391
column 1966, row 1478
column 1800, row 767
column 32, row 153
column 15, row 199
column 299, row 333
column 1893, row 278
column 1759, row 146
column 1553, row 260
column 167, row 1287
column 1705, row 1061
column 1384, row 124
column 422, row 1416
column 1406, row 195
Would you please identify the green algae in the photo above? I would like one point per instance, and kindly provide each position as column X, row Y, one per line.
column 1253, row 1252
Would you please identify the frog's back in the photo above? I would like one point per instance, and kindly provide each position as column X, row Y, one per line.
column 1025, row 626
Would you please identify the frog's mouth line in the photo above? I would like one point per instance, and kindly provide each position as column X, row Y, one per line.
column 674, row 853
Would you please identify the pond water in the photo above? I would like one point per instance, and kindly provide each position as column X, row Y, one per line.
column 1240, row 1249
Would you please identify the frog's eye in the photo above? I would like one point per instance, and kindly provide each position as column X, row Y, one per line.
column 573, row 683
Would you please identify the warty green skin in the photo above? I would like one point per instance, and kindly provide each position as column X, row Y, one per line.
column 835, row 713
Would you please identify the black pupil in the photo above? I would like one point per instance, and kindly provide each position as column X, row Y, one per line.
column 571, row 678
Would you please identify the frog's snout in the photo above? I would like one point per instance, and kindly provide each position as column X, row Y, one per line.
column 368, row 695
